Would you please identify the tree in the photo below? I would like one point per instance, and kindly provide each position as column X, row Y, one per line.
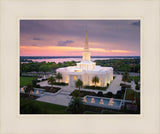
column 79, row 84
column 132, row 96
column 51, row 81
column 25, row 69
column 29, row 88
column 95, row 80
column 125, row 77
column 34, row 82
column 59, row 77
column 100, row 94
column 76, row 106
column 44, row 68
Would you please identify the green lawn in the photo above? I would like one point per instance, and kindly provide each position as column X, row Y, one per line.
column 135, row 78
column 37, row 107
column 24, row 81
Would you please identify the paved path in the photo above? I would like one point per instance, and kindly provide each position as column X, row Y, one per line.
column 115, row 85
column 60, row 98
column 133, row 86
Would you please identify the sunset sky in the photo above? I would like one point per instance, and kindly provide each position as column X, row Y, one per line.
column 67, row 37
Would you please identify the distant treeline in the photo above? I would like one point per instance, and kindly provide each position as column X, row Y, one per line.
column 43, row 66
column 29, row 58
column 125, row 65
column 129, row 65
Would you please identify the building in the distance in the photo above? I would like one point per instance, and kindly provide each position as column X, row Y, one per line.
column 86, row 70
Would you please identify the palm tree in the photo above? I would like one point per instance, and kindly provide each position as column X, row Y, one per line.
column 29, row 88
column 76, row 106
column 125, row 77
column 79, row 84
column 59, row 77
column 51, row 81
column 95, row 80
column 132, row 96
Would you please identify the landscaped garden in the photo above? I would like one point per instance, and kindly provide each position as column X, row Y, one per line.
column 96, row 87
column 51, row 89
column 119, row 95
column 77, row 93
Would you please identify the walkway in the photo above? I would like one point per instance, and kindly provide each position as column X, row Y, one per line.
column 115, row 85
column 60, row 98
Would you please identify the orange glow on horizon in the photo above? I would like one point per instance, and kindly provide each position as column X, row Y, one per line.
column 64, row 51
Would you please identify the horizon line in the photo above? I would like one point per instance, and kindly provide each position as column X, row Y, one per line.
column 81, row 56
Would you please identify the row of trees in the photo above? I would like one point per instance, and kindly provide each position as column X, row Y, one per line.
column 43, row 66
column 129, row 65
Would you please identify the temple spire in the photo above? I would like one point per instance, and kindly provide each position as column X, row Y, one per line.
column 86, row 41
column 86, row 51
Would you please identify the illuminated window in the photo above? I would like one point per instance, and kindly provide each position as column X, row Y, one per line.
column 75, row 77
column 77, row 70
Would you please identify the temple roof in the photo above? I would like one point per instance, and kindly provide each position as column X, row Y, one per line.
column 86, row 62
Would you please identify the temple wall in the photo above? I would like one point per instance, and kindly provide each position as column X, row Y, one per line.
column 86, row 66
column 87, row 79
column 65, row 77
column 104, row 78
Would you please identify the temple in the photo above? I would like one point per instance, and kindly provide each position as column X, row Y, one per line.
column 86, row 70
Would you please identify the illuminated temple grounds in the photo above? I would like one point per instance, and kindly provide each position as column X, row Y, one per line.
column 86, row 70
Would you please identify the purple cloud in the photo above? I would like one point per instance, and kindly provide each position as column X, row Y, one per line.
column 64, row 43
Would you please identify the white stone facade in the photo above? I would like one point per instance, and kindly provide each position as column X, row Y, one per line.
column 86, row 70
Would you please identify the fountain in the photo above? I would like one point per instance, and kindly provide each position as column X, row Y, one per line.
column 37, row 92
column 101, row 102
column 84, row 99
column 92, row 100
column 111, row 102
column 22, row 90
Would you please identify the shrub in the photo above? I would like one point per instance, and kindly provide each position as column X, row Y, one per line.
column 38, row 86
column 75, row 93
column 108, row 95
column 119, row 95
column 61, row 83
column 82, row 93
column 96, row 88
column 137, row 86
column 76, row 106
column 44, row 79
column 125, row 85
column 100, row 94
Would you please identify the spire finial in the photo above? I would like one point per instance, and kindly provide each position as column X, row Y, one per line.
column 86, row 40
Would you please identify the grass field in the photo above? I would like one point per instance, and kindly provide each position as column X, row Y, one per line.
column 135, row 78
column 24, row 81
column 130, row 93
column 37, row 107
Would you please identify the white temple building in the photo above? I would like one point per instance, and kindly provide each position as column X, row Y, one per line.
column 86, row 70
